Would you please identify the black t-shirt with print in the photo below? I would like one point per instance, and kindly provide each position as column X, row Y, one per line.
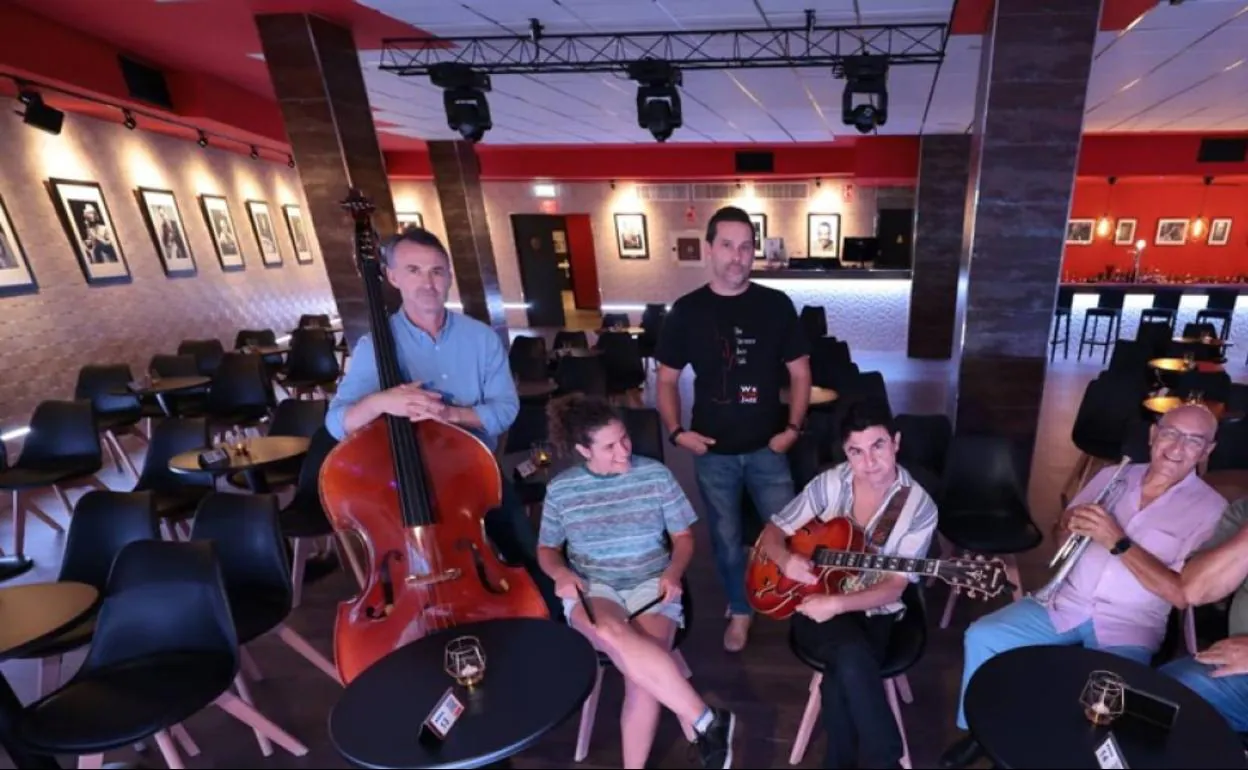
column 738, row 347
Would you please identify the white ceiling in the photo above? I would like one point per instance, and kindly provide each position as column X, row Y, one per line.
column 1176, row 70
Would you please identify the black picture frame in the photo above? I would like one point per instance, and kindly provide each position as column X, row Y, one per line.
column 99, row 250
column 164, row 237
column 261, row 219
column 221, row 229
column 814, row 220
column 13, row 257
column 759, row 222
column 633, row 225
column 297, row 229
column 405, row 219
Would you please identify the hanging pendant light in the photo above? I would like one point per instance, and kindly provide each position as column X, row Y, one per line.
column 1106, row 225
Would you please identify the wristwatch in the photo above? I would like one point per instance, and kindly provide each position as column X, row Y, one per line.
column 1121, row 546
column 674, row 434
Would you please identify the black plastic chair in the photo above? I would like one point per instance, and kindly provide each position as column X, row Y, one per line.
column 260, row 338
column 208, row 354
column 814, row 322
column 1165, row 308
column 984, row 505
column 567, row 339
column 174, row 495
column 905, row 648
column 255, row 564
column 645, row 430
column 164, row 648
column 652, row 319
column 1110, row 408
column 63, row 447
column 1231, row 451
column 615, row 321
column 117, row 411
column 184, row 403
column 528, row 359
column 1219, row 309
column 311, row 364
column 621, row 361
column 314, row 321
column 581, row 374
column 1061, row 322
column 293, row 417
column 103, row 523
column 303, row 520
column 240, row 393
column 924, row 448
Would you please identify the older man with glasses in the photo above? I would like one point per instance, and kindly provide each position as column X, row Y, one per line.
column 1118, row 596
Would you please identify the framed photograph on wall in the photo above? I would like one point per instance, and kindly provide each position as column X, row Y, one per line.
column 1219, row 232
column 298, row 233
column 406, row 219
column 164, row 224
column 1124, row 232
column 760, row 233
column 89, row 225
column 823, row 235
column 221, row 228
column 265, row 232
column 631, row 237
column 1171, row 232
column 15, row 273
column 1079, row 232
column 688, row 248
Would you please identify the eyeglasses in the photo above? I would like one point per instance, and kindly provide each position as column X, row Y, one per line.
column 1191, row 442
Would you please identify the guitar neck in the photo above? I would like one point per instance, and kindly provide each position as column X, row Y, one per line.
column 871, row 562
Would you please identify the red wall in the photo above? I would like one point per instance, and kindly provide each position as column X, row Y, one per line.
column 1148, row 201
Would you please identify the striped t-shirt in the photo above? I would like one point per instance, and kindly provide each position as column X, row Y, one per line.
column 615, row 526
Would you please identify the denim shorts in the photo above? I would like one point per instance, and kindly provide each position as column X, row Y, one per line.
column 631, row 599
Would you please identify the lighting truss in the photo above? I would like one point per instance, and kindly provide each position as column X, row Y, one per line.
column 538, row 53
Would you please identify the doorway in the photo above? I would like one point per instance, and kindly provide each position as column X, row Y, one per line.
column 895, row 231
column 541, row 245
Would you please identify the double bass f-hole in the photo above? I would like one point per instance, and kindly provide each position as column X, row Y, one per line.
column 387, row 587
column 478, row 564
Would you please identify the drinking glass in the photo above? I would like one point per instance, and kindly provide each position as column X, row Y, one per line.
column 464, row 660
column 541, row 454
column 1102, row 697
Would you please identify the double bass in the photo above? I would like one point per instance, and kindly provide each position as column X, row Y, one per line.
column 415, row 494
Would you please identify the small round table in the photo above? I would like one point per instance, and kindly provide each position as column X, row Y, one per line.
column 1163, row 404
column 537, row 674
column 1179, row 365
column 1023, row 708
column 818, row 396
column 29, row 614
column 261, row 452
column 160, row 387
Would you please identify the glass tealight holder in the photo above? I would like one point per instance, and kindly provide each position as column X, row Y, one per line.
column 541, row 454
column 464, row 661
column 1102, row 697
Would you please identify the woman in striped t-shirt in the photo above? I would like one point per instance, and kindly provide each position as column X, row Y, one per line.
column 615, row 514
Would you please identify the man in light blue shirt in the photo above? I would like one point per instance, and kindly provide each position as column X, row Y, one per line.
column 455, row 370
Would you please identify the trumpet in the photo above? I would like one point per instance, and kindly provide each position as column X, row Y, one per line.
column 1069, row 554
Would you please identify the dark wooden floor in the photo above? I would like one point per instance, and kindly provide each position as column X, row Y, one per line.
column 764, row 684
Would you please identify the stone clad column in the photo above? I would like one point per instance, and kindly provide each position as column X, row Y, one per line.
column 316, row 75
column 1025, row 147
column 940, row 208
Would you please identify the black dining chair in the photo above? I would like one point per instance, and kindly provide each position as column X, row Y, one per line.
column 1110, row 407
column 293, row 417
column 241, row 393
column 615, row 321
column 568, row 339
column 208, row 354
column 905, row 648
column 303, row 520
column 645, row 430
column 117, row 411
column 311, row 365
column 581, row 374
column 528, row 359
column 164, row 648
column 621, row 361
column 183, row 403
column 103, row 523
column 260, row 338
column 63, row 447
column 984, row 505
column 175, row 495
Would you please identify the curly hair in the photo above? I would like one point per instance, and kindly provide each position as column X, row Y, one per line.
column 573, row 419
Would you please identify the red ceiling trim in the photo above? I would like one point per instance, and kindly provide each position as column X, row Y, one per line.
column 974, row 17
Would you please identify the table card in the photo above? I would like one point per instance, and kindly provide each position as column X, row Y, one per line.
column 442, row 718
column 1109, row 756
column 214, row 458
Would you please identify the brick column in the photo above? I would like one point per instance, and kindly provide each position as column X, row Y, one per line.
column 316, row 75
column 1025, row 148
column 940, row 211
column 457, row 178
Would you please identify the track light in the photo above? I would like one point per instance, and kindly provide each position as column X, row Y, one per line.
column 255, row 154
column 290, row 161
column 658, row 100
column 38, row 114
column 467, row 111
column 203, row 139
column 868, row 76
column 128, row 119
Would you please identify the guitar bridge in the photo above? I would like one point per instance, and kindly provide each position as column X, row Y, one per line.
column 429, row 580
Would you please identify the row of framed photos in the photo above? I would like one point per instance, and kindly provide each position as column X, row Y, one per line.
column 88, row 223
column 823, row 236
column 1170, row 232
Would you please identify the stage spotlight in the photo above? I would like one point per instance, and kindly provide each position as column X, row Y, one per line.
column 467, row 111
column 40, row 115
column 865, row 76
column 658, row 99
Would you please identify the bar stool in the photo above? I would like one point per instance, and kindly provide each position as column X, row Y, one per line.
column 1165, row 308
column 1065, row 299
column 1108, row 306
column 1221, row 307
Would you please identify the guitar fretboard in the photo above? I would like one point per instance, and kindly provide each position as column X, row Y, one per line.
column 876, row 563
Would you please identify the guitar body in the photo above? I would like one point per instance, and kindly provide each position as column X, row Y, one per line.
column 770, row 593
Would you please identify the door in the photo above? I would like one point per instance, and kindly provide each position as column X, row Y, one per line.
column 584, row 263
column 540, row 274
column 895, row 231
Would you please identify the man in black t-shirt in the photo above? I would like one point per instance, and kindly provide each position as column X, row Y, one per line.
column 736, row 335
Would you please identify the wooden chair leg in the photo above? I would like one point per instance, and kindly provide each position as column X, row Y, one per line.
column 948, row 613
column 60, row 495
column 123, row 455
column 19, row 525
column 589, row 711
column 890, row 691
column 49, row 676
column 903, row 688
column 299, row 556
column 90, row 761
column 184, row 740
column 244, row 694
column 248, row 715
column 809, row 717
column 169, row 751
column 310, row 653
column 249, row 666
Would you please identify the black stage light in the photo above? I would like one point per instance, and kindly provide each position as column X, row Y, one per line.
column 467, row 111
column 865, row 76
column 658, row 99
column 38, row 114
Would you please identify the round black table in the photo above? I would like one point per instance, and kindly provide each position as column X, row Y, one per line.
column 262, row 451
column 1023, row 708
column 537, row 674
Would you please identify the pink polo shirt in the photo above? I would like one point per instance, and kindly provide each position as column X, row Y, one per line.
column 1123, row 611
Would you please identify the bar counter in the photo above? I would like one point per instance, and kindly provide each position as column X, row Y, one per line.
column 869, row 309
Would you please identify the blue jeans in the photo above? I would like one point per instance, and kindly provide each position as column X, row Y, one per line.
column 1228, row 694
column 721, row 480
column 1026, row 623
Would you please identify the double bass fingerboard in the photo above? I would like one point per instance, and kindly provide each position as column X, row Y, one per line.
column 876, row 562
